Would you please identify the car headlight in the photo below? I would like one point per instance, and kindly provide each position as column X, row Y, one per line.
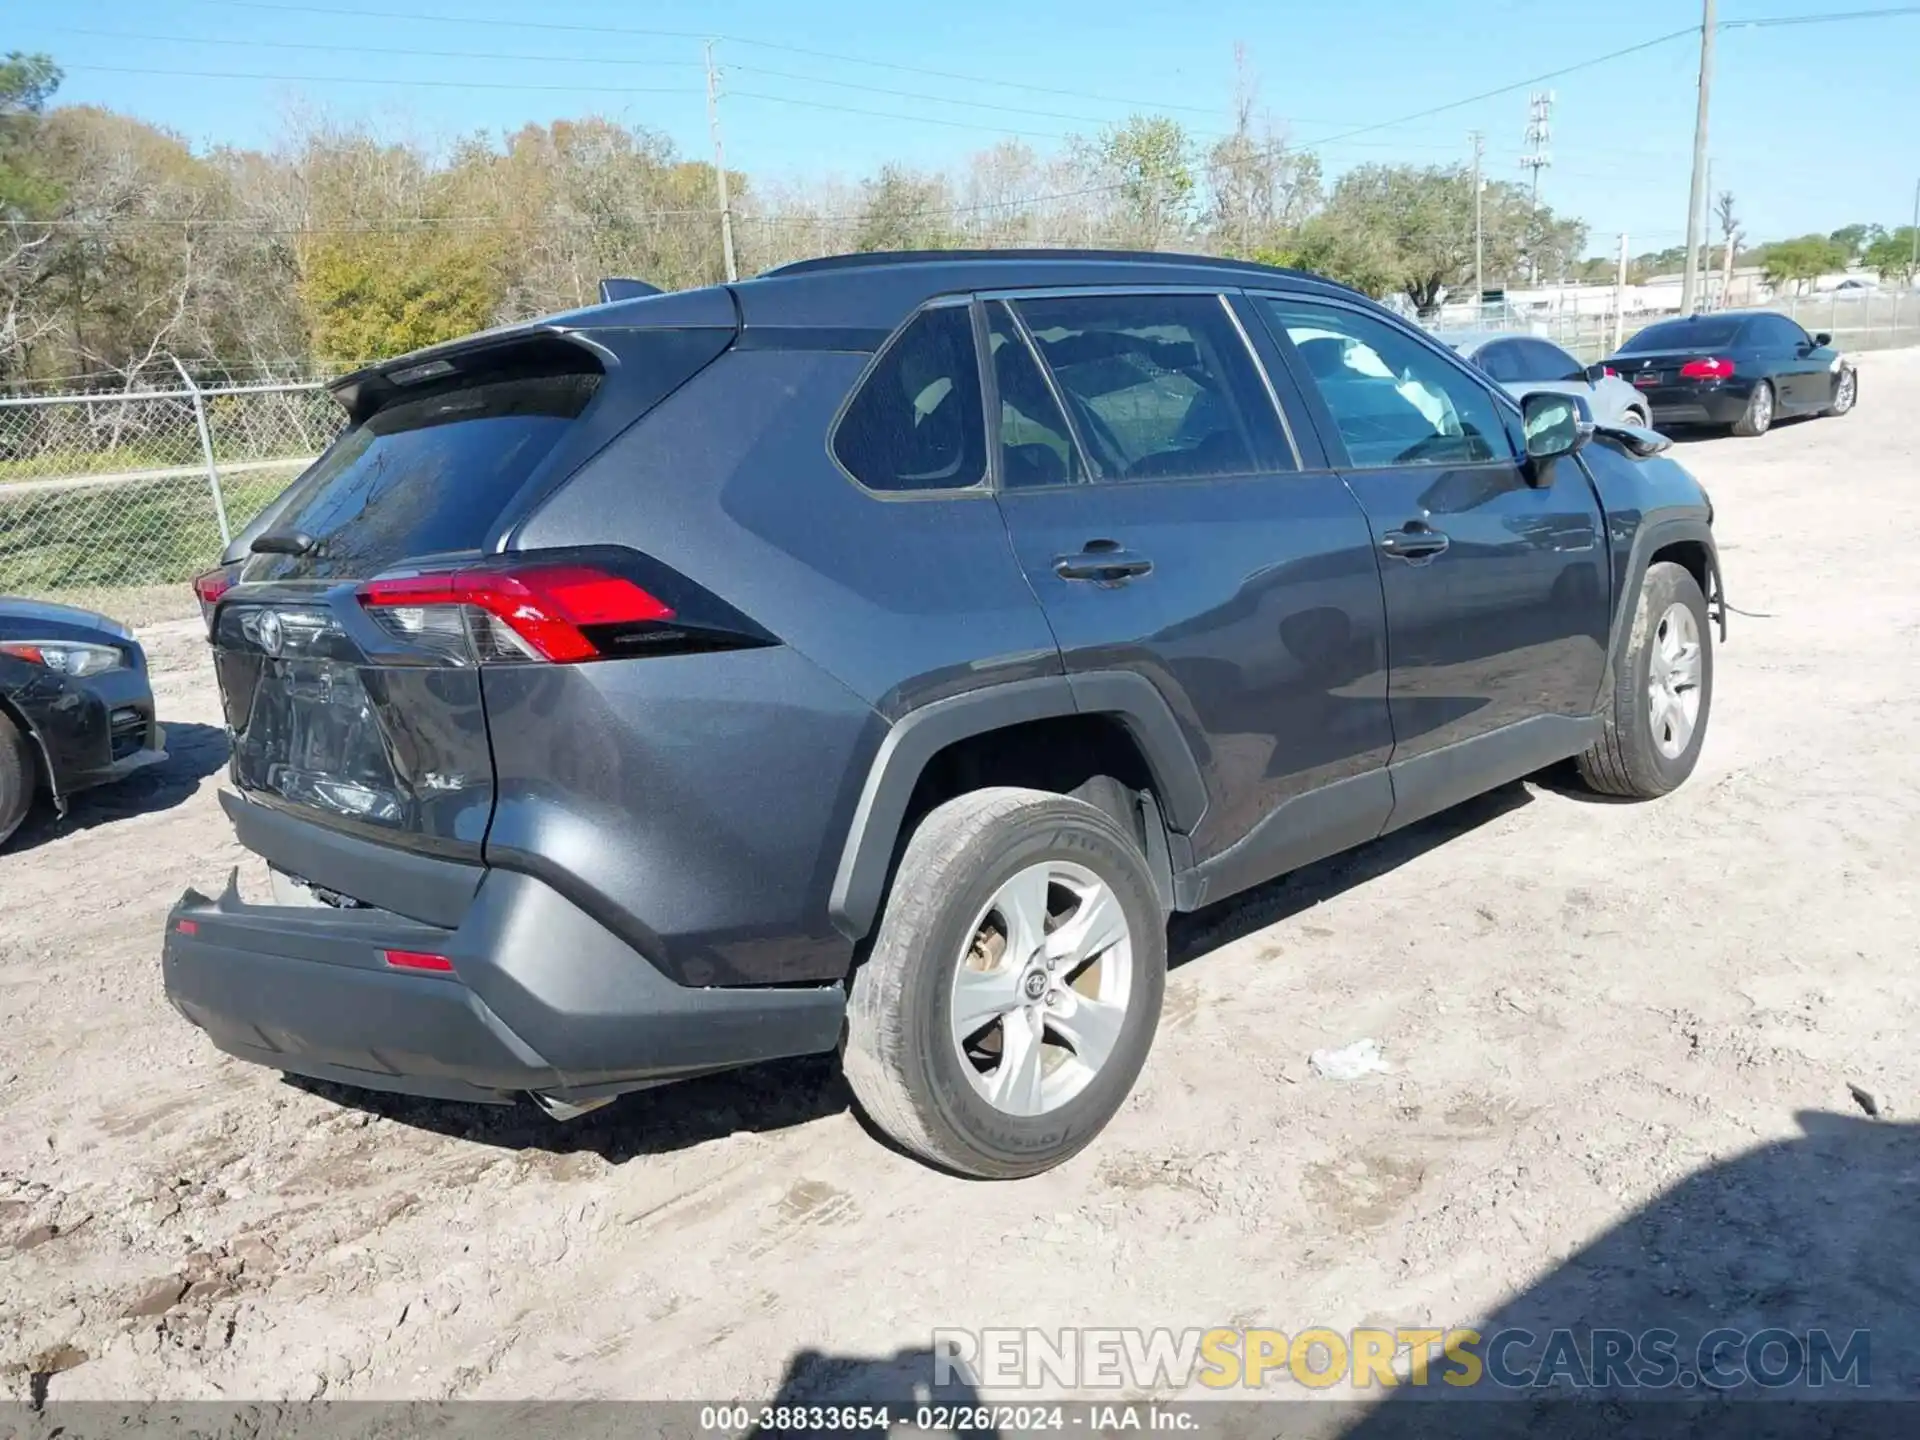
column 68, row 657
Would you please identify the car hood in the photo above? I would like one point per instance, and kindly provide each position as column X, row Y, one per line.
column 22, row 619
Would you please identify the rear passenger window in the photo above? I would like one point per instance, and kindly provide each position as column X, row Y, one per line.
column 1161, row 386
column 1503, row 361
column 916, row 422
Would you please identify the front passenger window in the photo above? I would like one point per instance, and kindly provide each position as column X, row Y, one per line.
column 1394, row 400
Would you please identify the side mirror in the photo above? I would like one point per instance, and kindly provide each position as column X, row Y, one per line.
column 1555, row 425
column 1823, row 338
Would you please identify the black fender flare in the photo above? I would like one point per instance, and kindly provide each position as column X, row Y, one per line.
column 860, row 880
column 38, row 748
column 1651, row 537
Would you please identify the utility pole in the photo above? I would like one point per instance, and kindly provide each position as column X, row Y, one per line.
column 1479, row 231
column 1706, row 243
column 720, row 166
column 1913, row 257
column 1620, row 293
column 1698, row 189
column 1539, row 132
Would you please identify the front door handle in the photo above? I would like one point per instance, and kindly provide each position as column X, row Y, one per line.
column 1101, row 560
column 1415, row 542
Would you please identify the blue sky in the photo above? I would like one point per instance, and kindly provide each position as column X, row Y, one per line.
column 1814, row 125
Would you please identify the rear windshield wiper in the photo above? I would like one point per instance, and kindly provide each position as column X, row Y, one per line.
column 284, row 542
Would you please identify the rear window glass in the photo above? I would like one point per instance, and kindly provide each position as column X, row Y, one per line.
column 1690, row 334
column 424, row 475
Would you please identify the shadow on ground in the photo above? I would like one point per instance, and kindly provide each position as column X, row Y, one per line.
column 1738, row 1263
column 649, row 1122
column 776, row 1096
column 193, row 753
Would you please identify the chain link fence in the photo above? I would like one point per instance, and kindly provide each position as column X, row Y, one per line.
column 114, row 502
column 1857, row 321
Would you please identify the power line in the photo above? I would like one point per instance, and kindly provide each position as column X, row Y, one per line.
column 376, row 80
column 363, row 50
column 729, row 39
column 1531, row 80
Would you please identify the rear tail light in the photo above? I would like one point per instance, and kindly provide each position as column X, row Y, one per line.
column 553, row 613
column 417, row 960
column 212, row 585
column 1710, row 369
column 1607, row 372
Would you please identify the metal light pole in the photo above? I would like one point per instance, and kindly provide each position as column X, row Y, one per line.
column 1698, row 187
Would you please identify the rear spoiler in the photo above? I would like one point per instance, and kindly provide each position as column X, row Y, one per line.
column 617, row 288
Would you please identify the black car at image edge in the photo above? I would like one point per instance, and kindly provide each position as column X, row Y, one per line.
column 872, row 655
column 75, row 706
column 1740, row 369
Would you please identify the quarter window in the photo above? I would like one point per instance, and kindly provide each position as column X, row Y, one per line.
column 916, row 424
column 1161, row 387
column 1394, row 400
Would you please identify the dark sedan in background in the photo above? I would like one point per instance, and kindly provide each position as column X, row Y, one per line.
column 1742, row 369
column 75, row 706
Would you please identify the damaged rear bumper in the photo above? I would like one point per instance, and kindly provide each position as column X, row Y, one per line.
column 539, row 998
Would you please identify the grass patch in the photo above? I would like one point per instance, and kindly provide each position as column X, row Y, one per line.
column 148, row 532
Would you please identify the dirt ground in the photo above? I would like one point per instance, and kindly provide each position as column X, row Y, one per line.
column 1622, row 1039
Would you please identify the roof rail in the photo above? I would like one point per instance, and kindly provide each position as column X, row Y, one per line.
column 622, row 289
column 935, row 257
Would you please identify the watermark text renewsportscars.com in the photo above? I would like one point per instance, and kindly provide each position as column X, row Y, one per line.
column 1238, row 1359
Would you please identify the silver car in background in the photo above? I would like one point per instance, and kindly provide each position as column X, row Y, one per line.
column 1527, row 362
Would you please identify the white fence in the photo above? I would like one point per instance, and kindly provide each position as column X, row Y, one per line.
column 116, row 501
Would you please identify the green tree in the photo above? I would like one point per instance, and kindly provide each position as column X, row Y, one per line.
column 1803, row 258
column 372, row 295
column 1150, row 164
column 27, row 82
column 1412, row 227
column 1891, row 256
column 903, row 210
column 1855, row 239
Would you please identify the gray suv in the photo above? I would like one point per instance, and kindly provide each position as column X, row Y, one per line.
column 873, row 654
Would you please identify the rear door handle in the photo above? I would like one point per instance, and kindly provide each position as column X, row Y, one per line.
column 1101, row 560
column 1416, row 542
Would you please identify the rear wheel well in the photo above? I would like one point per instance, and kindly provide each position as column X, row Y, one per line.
column 1062, row 755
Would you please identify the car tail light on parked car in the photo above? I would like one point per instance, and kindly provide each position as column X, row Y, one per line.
column 558, row 614
column 1716, row 368
column 212, row 585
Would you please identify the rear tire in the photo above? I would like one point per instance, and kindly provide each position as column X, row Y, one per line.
column 1640, row 418
column 1662, row 695
column 1757, row 418
column 16, row 778
column 1035, row 915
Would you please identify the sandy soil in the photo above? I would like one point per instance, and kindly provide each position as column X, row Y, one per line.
column 1622, row 1036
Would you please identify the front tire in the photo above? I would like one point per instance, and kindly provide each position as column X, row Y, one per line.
column 1662, row 693
column 1757, row 418
column 1014, row 985
column 1846, row 391
column 16, row 778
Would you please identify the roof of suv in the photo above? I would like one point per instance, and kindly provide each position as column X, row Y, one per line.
column 863, row 298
